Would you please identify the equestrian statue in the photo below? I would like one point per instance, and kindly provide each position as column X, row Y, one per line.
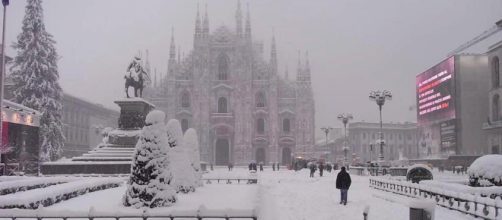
column 136, row 76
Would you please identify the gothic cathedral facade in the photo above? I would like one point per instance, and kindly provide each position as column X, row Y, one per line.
column 242, row 109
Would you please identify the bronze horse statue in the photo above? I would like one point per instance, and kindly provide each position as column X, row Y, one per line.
column 135, row 77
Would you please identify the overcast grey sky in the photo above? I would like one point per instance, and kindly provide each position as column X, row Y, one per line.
column 354, row 46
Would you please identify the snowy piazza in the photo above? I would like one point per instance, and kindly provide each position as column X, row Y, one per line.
column 251, row 109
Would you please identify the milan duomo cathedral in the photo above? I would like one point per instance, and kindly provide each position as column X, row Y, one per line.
column 241, row 108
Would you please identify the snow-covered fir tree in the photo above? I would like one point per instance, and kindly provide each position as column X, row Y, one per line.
column 151, row 183
column 182, row 167
column 35, row 75
column 191, row 142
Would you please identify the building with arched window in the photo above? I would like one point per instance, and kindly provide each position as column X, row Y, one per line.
column 241, row 107
column 493, row 126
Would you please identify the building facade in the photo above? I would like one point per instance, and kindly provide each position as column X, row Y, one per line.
column 83, row 122
column 401, row 141
column 234, row 97
column 493, row 126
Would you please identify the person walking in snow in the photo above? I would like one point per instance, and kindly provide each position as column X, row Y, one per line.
column 328, row 167
column 273, row 166
column 312, row 169
column 343, row 182
column 321, row 169
column 261, row 166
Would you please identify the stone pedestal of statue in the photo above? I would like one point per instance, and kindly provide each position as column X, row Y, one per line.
column 115, row 156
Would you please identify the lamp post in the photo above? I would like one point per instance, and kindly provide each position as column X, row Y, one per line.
column 371, row 152
column 379, row 97
column 5, row 3
column 345, row 118
column 326, row 131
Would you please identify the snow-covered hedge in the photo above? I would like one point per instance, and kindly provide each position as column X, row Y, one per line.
column 488, row 167
column 29, row 184
column 151, row 183
column 53, row 194
column 184, row 174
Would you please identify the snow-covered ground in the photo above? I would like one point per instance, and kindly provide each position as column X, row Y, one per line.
column 280, row 195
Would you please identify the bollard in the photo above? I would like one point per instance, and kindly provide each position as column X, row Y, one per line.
column 366, row 211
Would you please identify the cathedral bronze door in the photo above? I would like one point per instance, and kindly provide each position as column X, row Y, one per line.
column 222, row 152
column 286, row 156
column 260, row 155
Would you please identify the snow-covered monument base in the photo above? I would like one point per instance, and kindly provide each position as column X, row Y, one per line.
column 114, row 156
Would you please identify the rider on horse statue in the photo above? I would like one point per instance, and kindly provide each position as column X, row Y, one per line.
column 136, row 77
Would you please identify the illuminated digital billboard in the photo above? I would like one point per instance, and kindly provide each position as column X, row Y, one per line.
column 435, row 90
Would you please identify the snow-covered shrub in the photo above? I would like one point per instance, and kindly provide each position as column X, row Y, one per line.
column 182, row 167
column 151, row 183
column 10, row 187
column 53, row 194
column 488, row 167
column 175, row 133
column 191, row 142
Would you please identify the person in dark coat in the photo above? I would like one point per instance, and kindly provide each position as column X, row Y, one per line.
column 343, row 182
column 321, row 168
column 312, row 169
column 261, row 166
column 328, row 167
column 273, row 166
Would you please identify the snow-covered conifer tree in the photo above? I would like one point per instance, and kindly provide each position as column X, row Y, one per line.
column 151, row 183
column 191, row 142
column 35, row 75
column 182, row 168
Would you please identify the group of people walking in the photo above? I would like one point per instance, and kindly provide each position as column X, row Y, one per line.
column 321, row 166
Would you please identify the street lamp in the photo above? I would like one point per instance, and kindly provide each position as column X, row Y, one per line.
column 379, row 97
column 371, row 152
column 345, row 118
column 2, row 76
column 326, row 131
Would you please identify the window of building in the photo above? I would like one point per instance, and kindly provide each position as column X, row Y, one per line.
column 260, row 125
column 495, row 72
column 364, row 136
column 260, row 100
column 222, row 105
column 185, row 100
column 184, row 124
column 496, row 108
column 286, row 125
column 223, row 67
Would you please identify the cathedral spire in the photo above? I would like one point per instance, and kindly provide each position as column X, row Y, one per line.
column 307, row 66
column 172, row 48
column 248, row 23
column 197, row 23
column 205, row 29
column 179, row 54
column 147, row 63
column 286, row 74
column 273, row 56
column 238, row 19
column 155, row 77
column 299, row 74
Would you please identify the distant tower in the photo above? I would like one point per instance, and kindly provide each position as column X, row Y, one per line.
column 248, row 24
column 205, row 27
column 238, row 19
column 273, row 57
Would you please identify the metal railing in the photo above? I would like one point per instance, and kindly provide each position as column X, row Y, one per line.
column 231, row 180
column 475, row 205
column 145, row 214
